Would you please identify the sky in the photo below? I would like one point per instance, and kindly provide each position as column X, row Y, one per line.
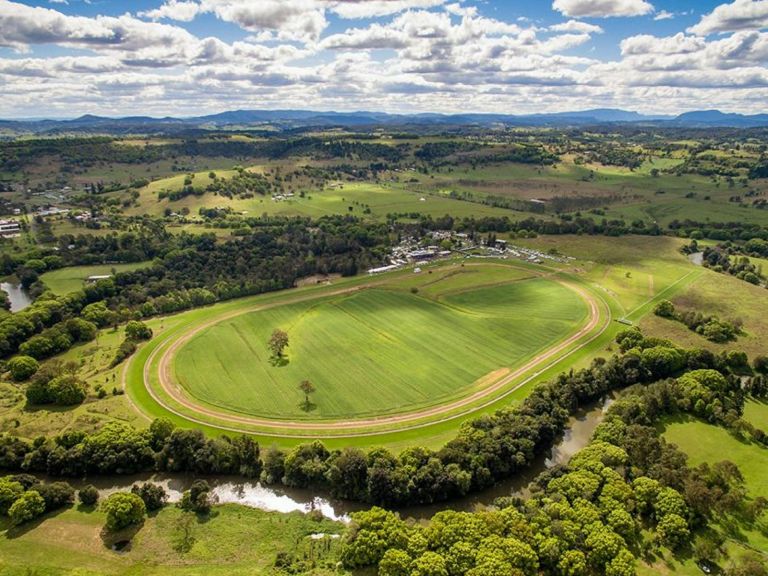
column 64, row 58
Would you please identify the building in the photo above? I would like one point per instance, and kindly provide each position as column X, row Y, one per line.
column 9, row 229
column 95, row 278
column 383, row 269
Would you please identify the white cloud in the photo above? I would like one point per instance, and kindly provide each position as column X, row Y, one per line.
column 422, row 55
column 375, row 8
column 22, row 25
column 664, row 15
column 740, row 15
column 577, row 26
column 602, row 8
column 291, row 19
column 180, row 10
column 302, row 20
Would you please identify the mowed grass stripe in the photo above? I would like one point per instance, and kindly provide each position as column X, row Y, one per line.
column 374, row 352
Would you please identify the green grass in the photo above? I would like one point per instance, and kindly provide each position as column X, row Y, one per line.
column 756, row 413
column 633, row 270
column 601, row 267
column 234, row 540
column 425, row 432
column 71, row 279
column 726, row 297
column 707, row 443
column 378, row 351
column 347, row 198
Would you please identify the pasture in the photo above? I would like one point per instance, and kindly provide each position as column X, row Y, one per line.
column 707, row 443
column 72, row 278
column 73, row 542
column 369, row 200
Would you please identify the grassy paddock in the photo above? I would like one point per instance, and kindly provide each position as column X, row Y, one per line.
column 706, row 443
column 233, row 540
column 72, row 278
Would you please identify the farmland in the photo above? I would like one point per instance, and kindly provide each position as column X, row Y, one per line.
column 514, row 262
column 73, row 542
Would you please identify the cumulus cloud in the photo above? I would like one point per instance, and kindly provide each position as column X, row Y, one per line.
column 180, row 10
column 22, row 25
column 577, row 26
column 291, row 19
column 740, row 15
column 602, row 8
column 375, row 8
column 302, row 20
column 415, row 55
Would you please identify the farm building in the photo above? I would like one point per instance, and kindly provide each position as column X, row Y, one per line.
column 9, row 228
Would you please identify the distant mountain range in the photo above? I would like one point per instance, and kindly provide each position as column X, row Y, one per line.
column 292, row 119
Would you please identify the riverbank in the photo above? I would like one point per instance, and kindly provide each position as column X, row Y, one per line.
column 278, row 498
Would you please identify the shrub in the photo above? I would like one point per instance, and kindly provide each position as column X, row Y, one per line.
column 123, row 509
column 10, row 491
column 22, row 367
column 127, row 348
column 197, row 498
column 153, row 495
column 88, row 496
column 67, row 390
column 39, row 393
column 27, row 507
column 136, row 331
column 56, row 494
column 761, row 364
column 665, row 309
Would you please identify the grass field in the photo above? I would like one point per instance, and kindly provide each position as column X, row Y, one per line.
column 633, row 270
column 234, row 540
column 347, row 198
column 756, row 413
column 629, row 275
column 706, row 443
column 378, row 351
column 726, row 297
column 72, row 278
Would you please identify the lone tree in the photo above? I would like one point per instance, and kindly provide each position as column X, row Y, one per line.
column 308, row 388
column 278, row 342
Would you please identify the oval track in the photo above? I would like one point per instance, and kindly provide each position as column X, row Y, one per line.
column 358, row 427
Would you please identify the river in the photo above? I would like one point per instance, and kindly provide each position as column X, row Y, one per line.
column 235, row 490
column 19, row 297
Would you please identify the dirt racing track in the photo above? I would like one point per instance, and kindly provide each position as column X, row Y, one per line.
column 168, row 397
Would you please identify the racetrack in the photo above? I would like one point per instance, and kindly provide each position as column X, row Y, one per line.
column 159, row 382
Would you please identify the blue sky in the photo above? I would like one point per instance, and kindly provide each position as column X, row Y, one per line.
column 61, row 58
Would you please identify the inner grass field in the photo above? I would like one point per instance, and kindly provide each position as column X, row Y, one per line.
column 382, row 350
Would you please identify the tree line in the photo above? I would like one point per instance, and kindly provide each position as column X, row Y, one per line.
column 193, row 271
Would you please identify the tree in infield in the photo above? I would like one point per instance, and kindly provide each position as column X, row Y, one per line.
column 278, row 342
column 308, row 388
